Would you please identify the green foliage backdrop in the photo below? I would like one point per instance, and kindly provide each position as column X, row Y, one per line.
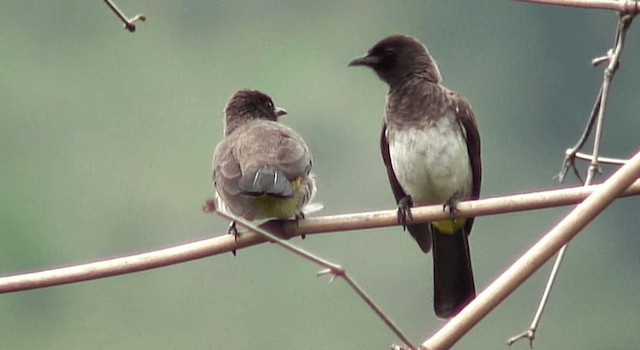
column 105, row 146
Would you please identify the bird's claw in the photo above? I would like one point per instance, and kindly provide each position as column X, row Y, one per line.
column 300, row 216
column 450, row 206
column 404, row 211
column 233, row 230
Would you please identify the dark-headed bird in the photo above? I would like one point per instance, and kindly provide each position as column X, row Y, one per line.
column 431, row 149
column 261, row 168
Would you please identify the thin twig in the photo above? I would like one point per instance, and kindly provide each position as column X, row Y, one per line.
column 535, row 257
column 602, row 160
column 333, row 269
column 530, row 333
column 630, row 7
column 129, row 23
column 624, row 22
column 570, row 154
column 336, row 269
column 597, row 118
column 224, row 243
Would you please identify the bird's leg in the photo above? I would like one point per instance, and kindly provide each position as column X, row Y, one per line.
column 404, row 210
column 450, row 206
column 233, row 230
column 300, row 216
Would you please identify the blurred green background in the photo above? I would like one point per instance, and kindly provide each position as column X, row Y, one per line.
column 105, row 146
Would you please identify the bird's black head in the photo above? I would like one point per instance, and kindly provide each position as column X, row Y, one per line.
column 398, row 57
column 248, row 105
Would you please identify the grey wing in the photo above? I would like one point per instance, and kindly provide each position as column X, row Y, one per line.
column 226, row 176
column 272, row 144
column 224, row 165
column 293, row 156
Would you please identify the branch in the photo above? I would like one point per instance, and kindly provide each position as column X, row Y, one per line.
column 129, row 23
column 596, row 118
column 630, row 7
column 597, row 112
column 227, row 243
column 624, row 22
column 334, row 270
column 535, row 257
column 601, row 160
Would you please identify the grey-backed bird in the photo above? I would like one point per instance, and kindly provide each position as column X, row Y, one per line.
column 431, row 148
column 261, row 168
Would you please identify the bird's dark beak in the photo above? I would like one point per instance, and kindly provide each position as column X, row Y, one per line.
column 367, row 60
column 280, row 111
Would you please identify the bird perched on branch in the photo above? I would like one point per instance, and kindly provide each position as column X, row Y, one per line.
column 261, row 168
column 431, row 148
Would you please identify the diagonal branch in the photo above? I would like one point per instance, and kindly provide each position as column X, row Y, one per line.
column 330, row 268
column 595, row 119
column 535, row 257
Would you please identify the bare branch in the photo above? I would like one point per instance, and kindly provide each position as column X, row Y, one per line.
column 631, row 7
column 596, row 118
column 535, row 257
column 624, row 22
column 602, row 160
column 334, row 270
column 226, row 243
column 570, row 154
column 129, row 23
column 481, row 207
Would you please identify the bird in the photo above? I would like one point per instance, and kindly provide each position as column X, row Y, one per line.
column 261, row 168
column 430, row 146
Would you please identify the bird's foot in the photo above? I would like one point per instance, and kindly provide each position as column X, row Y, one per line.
column 300, row 216
column 233, row 230
column 404, row 211
column 450, row 206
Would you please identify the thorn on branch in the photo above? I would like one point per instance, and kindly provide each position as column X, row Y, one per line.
column 209, row 206
column 595, row 169
column 129, row 23
column 602, row 59
column 528, row 334
column 569, row 163
column 335, row 272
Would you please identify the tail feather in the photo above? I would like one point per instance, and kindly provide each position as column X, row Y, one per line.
column 422, row 234
column 267, row 181
column 452, row 273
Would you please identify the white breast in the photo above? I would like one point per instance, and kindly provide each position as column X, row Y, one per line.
column 431, row 163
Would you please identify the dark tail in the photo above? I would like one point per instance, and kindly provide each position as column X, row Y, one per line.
column 422, row 234
column 267, row 181
column 452, row 274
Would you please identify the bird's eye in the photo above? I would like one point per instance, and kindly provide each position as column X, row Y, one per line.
column 270, row 106
column 389, row 51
